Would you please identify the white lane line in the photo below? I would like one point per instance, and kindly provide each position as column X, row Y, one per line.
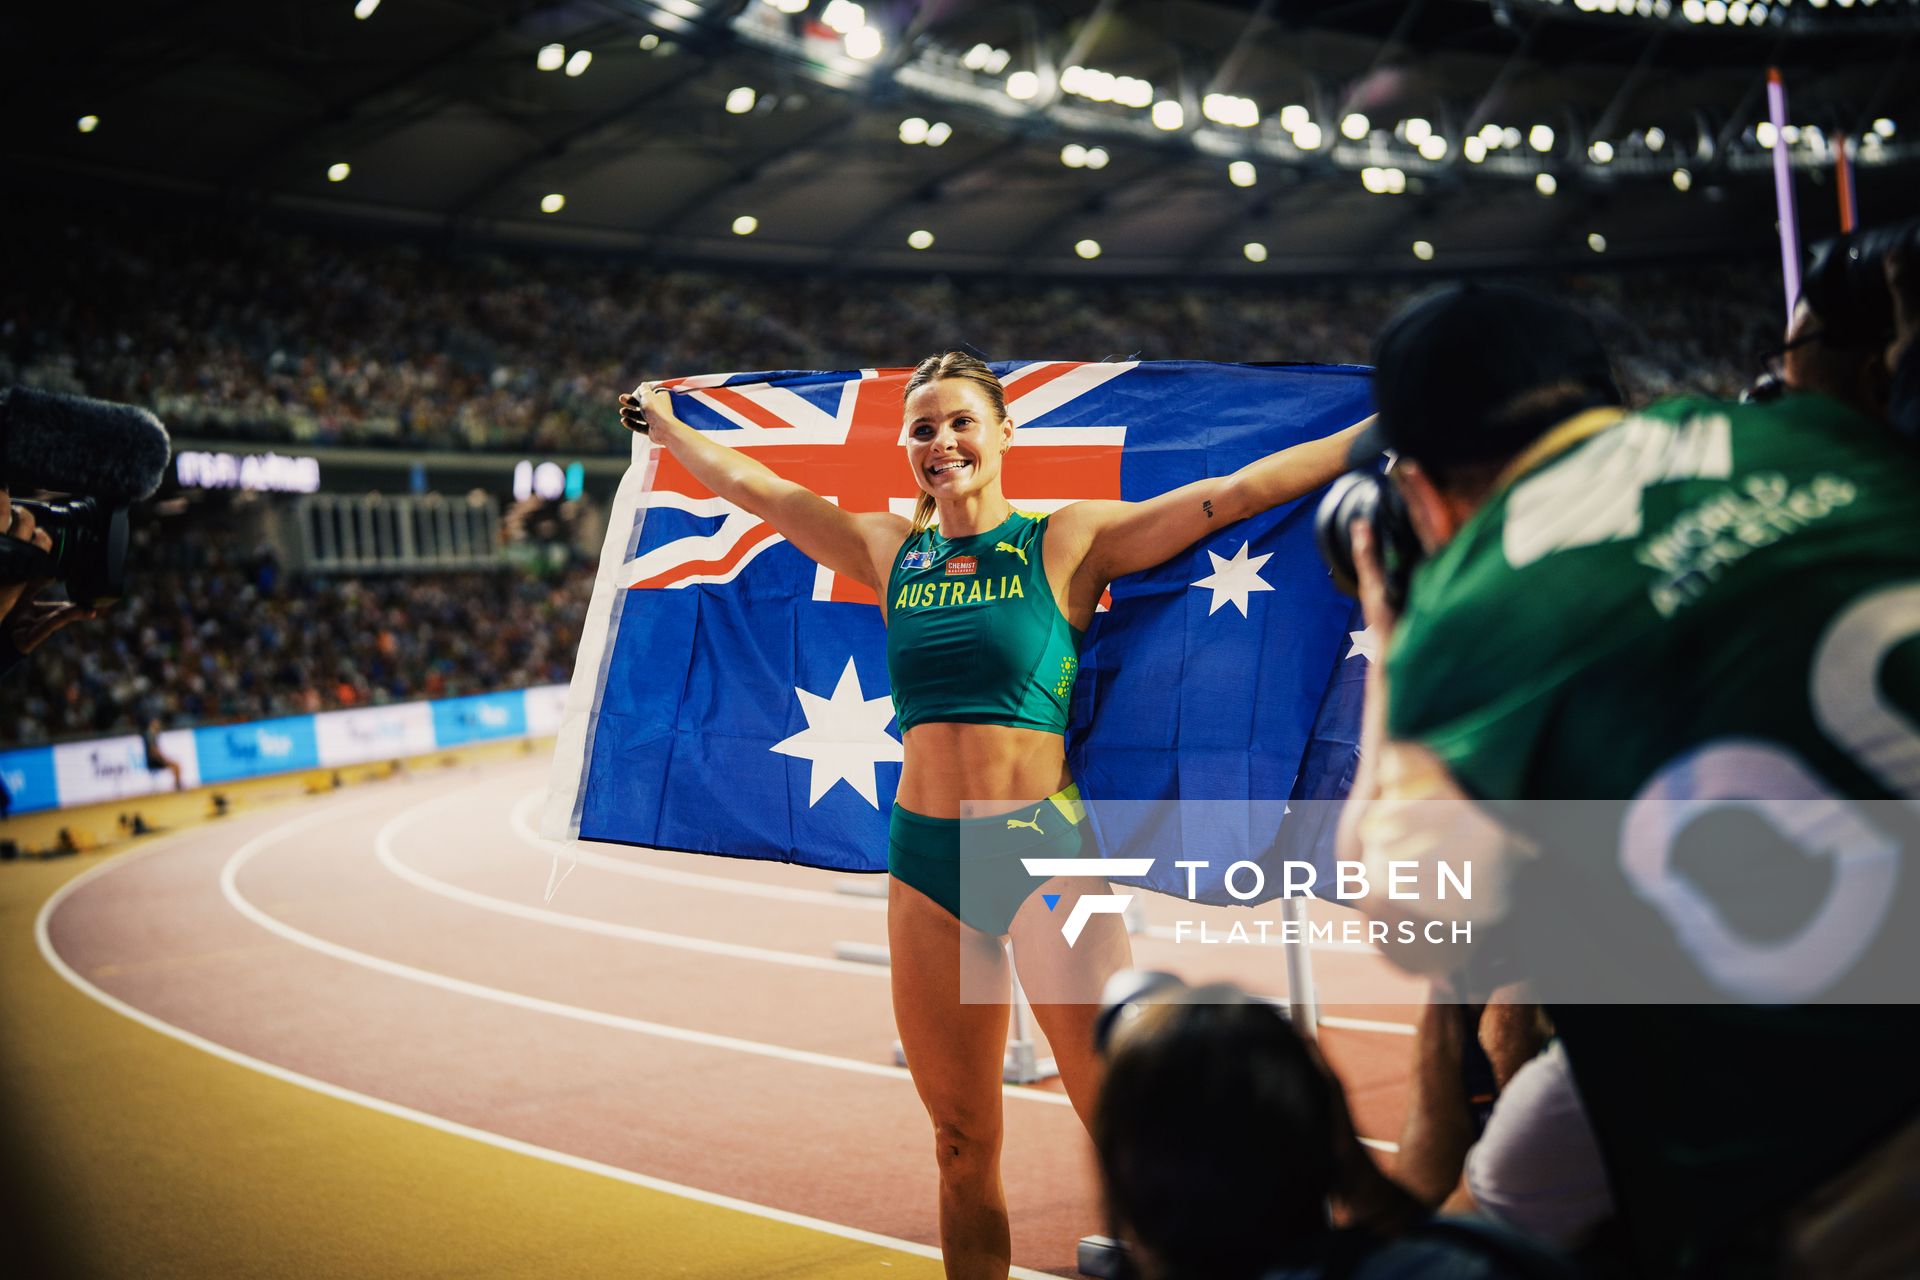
column 230, row 889
column 663, row 875
column 384, row 849
column 44, row 939
column 1368, row 1024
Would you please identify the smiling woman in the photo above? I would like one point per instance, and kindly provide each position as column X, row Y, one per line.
column 986, row 607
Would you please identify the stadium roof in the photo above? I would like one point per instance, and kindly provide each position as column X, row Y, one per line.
column 1011, row 136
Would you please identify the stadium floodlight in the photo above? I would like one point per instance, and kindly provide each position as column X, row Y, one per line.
column 87, row 124
column 1023, row 86
column 338, row 172
column 913, row 131
column 649, row 42
column 1433, row 147
column 938, row 132
column 789, row 7
column 922, row 239
column 1765, row 135
column 1355, row 126
column 1130, row 91
column 1074, row 156
column 1883, row 127
column 1540, row 137
column 582, row 59
column 364, row 9
column 1374, row 180
column 1600, row 151
column 1168, row 115
column 1416, row 131
column 553, row 202
column 1695, row 11
column 740, row 100
column 1097, row 157
column 1241, row 173
column 998, row 62
column 1292, row 116
column 1396, row 181
column 1682, row 180
column 1474, row 150
column 1545, row 183
column 1717, row 13
column 976, row 58
column 1088, row 249
column 551, row 57
column 1308, row 136
column 1656, row 138
column 844, row 16
column 1231, row 110
column 745, row 225
column 1423, row 250
column 1596, row 242
column 865, row 43
column 1510, row 138
column 1491, row 135
column 1255, row 251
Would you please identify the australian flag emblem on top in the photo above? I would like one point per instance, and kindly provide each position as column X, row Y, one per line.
column 730, row 696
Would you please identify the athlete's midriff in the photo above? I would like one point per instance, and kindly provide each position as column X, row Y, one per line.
column 969, row 770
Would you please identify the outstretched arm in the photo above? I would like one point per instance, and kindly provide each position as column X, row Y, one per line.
column 851, row 543
column 1126, row 537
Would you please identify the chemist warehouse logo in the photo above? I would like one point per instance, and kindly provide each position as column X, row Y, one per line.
column 1246, row 881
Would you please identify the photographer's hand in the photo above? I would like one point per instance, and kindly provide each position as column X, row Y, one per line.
column 29, row 625
column 18, row 523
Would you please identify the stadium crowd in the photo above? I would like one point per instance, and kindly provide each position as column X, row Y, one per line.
column 268, row 335
column 216, row 636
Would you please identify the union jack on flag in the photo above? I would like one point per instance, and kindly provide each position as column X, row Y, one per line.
column 730, row 696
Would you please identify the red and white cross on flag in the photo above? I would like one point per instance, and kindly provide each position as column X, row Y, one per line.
column 853, row 457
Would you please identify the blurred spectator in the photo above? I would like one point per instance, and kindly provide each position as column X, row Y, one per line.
column 256, row 333
column 211, row 637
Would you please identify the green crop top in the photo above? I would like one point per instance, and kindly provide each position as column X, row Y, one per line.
column 973, row 633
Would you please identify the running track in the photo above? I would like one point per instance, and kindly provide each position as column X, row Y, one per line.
column 674, row 1021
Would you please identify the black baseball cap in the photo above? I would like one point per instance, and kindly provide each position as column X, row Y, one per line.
column 1476, row 373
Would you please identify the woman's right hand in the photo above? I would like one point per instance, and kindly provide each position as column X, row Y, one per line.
column 648, row 412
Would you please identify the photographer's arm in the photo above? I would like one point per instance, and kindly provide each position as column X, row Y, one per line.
column 851, row 543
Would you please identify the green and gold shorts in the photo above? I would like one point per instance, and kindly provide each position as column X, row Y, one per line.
column 972, row 866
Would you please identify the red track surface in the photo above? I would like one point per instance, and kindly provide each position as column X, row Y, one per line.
column 378, row 981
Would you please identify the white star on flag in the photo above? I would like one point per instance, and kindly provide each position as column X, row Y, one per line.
column 845, row 737
column 1232, row 581
column 1365, row 645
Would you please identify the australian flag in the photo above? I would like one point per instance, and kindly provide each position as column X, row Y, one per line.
column 731, row 696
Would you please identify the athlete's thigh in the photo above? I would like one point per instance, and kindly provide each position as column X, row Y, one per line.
column 1064, row 982
column 955, row 1048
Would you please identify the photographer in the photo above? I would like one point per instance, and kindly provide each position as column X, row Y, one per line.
column 1222, row 1138
column 1699, row 604
column 25, row 623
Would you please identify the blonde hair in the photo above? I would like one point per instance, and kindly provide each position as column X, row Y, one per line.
column 953, row 364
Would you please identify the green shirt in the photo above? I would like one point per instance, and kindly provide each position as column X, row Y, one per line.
column 1717, row 600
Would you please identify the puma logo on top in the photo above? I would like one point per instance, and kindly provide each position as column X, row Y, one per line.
column 1033, row 826
column 1008, row 546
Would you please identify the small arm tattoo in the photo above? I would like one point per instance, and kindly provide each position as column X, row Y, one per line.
column 1206, row 505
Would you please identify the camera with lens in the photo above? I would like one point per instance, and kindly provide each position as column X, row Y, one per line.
column 1367, row 496
column 108, row 456
column 89, row 551
column 1846, row 283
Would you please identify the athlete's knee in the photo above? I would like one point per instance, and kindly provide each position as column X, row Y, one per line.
column 967, row 1152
